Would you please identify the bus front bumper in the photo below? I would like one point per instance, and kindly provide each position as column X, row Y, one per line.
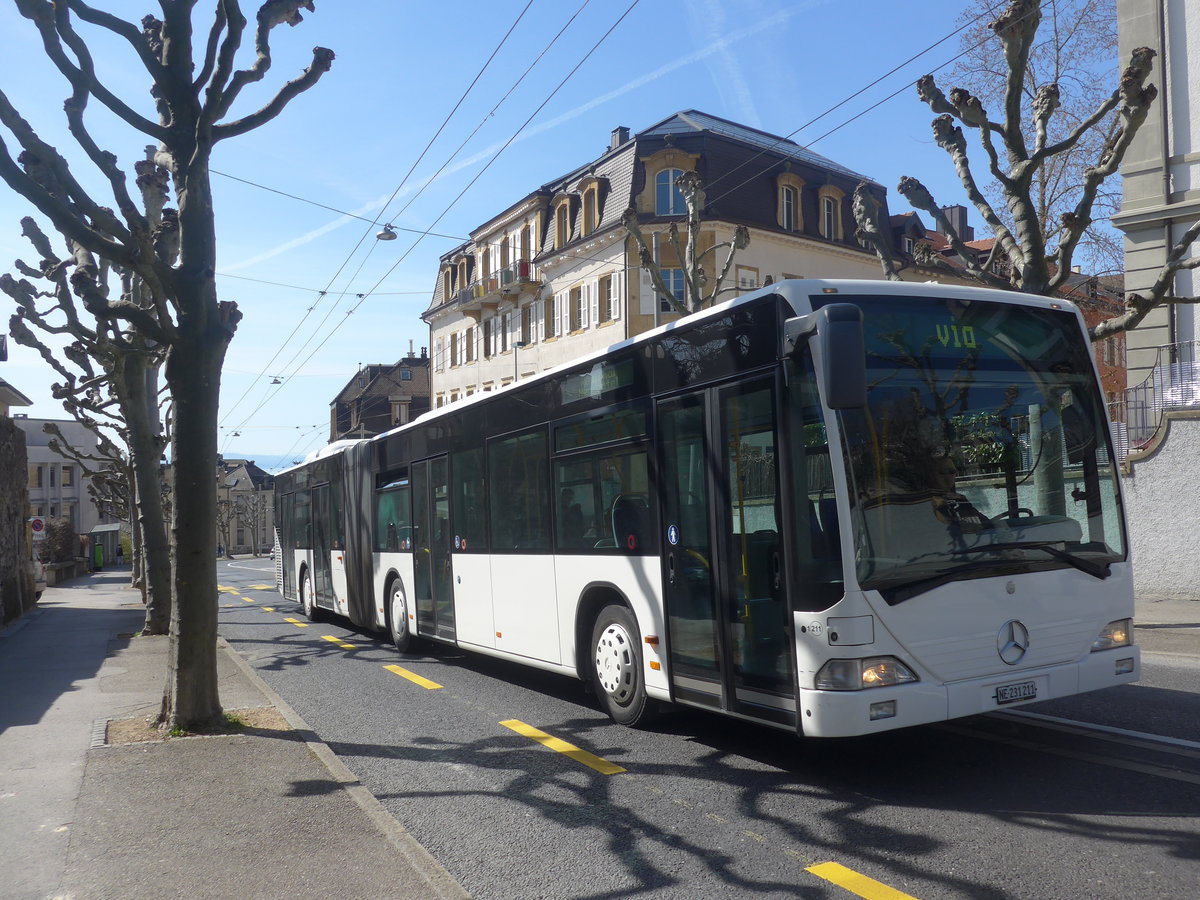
column 848, row 713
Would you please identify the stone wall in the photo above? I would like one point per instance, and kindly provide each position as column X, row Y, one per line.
column 1162, row 497
column 16, row 576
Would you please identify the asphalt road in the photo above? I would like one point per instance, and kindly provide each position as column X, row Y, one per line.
column 1094, row 797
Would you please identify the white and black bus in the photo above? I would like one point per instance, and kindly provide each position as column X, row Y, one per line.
column 831, row 506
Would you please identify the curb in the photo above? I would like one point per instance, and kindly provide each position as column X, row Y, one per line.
column 440, row 883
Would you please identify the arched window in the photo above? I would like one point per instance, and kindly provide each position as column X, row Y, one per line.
column 787, row 208
column 668, row 200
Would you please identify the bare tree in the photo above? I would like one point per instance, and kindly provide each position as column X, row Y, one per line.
column 114, row 379
column 1031, row 254
column 1076, row 52
column 699, row 290
column 174, row 260
column 251, row 511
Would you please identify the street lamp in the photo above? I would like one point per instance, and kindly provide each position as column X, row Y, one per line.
column 517, row 345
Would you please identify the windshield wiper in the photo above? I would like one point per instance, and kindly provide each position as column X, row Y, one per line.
column 1090, row 567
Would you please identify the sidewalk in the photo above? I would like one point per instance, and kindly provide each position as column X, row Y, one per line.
column 261, row 814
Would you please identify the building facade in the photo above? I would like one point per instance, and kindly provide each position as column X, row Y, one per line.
column 556, row 275
column 58, row 488
column 1161, row 172
column 245, row 507
column 380, row 397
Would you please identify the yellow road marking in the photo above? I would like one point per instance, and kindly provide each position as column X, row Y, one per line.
column 603, row 766
column 338, row 641
column 269, row 608
column 855, row 883
column 295, row 622
column 413, row 677
column 247, row 599
column 227, row 590
column 262, row 587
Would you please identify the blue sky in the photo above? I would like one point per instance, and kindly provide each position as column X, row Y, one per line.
column 350, row 142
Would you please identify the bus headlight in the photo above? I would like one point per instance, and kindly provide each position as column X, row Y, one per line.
column 859, row 674
column 1114, row 634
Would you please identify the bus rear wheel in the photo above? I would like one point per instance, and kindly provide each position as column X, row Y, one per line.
column 402, row 636
column 307, row 600
column 617, row 667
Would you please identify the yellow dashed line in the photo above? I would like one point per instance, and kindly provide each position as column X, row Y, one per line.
column 857, row 884
column 295, row 622
column 338, row 641
column 269, row 608
column 413, row 677
column 756, row 837
column 227, row 590
column 603, row 766
column 247, row 599
column 262, row 587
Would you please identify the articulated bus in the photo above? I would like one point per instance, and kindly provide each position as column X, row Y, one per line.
column 834, row 507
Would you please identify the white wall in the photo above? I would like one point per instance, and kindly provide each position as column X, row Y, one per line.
column 1162, row 496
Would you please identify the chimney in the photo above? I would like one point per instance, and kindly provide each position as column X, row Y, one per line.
column 411, row 354
column 424, row 352
column 957, row 215
column 620, row 135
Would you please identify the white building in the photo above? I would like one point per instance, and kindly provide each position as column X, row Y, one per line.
column 556, row 275
column 57, row 487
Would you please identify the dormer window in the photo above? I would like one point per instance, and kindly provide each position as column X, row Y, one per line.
column 830, row 207
column 789, row 212
column 668, row 199
column 562, row 224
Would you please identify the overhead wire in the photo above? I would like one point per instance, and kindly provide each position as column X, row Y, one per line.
column 364, row 296
column 399, row 187
column 373, row 291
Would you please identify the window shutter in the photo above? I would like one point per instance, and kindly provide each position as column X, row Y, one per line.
column 585, row 295
column 563, row 306
column 594, row 292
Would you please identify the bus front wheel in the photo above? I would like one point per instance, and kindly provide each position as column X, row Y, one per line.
column 402, row 637
column 617, row 667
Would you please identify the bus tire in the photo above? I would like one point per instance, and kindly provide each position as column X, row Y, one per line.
column 397, row 617
column 307, row 600
column 617, row 667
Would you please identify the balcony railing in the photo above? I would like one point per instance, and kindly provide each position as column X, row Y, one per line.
column 510, row 279
column 1173, row 383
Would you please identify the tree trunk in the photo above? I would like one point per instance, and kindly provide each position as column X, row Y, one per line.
column 145, row 451
column 193, row 372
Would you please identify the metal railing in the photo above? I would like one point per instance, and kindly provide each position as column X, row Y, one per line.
column 1173, row 383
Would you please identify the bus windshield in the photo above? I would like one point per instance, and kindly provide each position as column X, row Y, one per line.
column 983, row 448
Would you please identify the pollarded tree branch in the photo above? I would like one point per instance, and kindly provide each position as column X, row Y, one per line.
column 270, row 14
column 630, row 221
column 1138, row 306
column 1016, row 28
column 920, row 198
column 322, row 61
column 210, row 51
column 741, row 240
column 44, row 179
column 121, row 28
column 43, row 15
column 1137, row 96
column 867, row 216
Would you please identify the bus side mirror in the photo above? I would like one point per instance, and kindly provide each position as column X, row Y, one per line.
column 841, row 353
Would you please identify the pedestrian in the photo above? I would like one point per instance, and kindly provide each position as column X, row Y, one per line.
column 120, row 555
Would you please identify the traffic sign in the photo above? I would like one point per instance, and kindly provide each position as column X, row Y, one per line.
column 37, row 523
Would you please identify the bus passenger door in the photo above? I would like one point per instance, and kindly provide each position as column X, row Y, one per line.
column 730, row 644
column 757, row 618
column 688, row 560
column 433, row 591
column 322, row 546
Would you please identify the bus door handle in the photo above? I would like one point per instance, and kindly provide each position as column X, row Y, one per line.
column 776, row 572
column 670, row 568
